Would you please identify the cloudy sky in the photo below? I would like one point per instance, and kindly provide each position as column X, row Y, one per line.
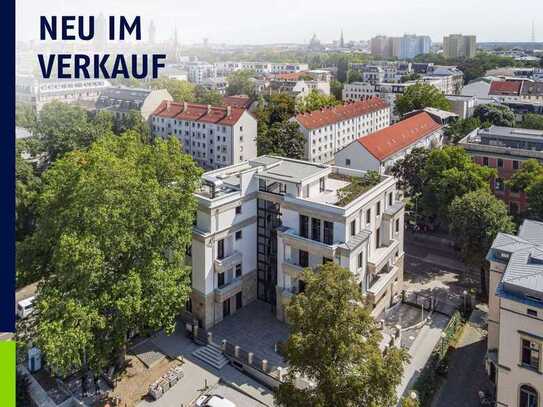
column 275, row 21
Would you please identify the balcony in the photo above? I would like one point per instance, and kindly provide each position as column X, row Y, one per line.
column 380, row 256
column 303, row 243
column 228, row 290
column 381, row 282
column 227, row 262
column 287, row 294
column 293, row 270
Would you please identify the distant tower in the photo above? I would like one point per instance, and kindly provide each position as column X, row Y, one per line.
column 341, row 42
column 533, row 30
column 152, row 32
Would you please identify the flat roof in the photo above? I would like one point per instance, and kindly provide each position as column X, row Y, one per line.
column 291, row 170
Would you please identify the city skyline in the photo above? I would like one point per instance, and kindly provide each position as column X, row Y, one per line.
column 290, row 22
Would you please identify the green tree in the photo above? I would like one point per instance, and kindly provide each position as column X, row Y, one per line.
column 497, row 115
column 27, row 184
column 315, row 100
column 409, row 171
column 25, row 116
column 535, row 198
column 180, row 91
column 475, row 219
column 113, row 226
column 525, row 176
column 133, row 121
column 353, row 76
column 334, row 343
column 240, row 83
column 461, row 128
column 450, row 173
column 280, row 107
column 532, row 121
column 282, row 139
column 207, row 97
column 419, row 96
column 336, row 89
column 61, row 128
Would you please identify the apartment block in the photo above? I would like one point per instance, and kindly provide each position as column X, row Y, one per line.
column 505, row 148
column 224, row 68
column 215, row 136
column 406, row 47
column 198, row 72
column 459, row 46
column 260, row 223
column 515, row 316
column 121, row 100
column 328, row 130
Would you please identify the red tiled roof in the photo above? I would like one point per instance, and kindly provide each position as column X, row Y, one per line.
column 329, row 115
column 505, row 87
column 241, row 101
column 390, row 140
column 199, row 113
column 291, row 76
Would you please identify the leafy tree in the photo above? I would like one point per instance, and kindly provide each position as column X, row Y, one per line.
column 461, row 128
column 410, row 77
column 334, row 343
column 22, row 396
column 27, row 183
column 532, row 121
column 409, row 171
column 526, row 175
column 336, row 89
column 357, row 187
column 475, row 219
column 315, row 100
column 25, row 116
column 239, row 83
column 283, row 139
column 497, row 115
column 181, row 91
column 133, row 121
column 535, row 197
column 207, row 97
column 342, row 65
column 450, row 173
column 61, row 128
column 113, row 226
column 419, row 96
column 353, row 76
column 280, row 107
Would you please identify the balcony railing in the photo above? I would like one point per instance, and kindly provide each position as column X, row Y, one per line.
column 228, row 290
column 381, row 282
column 227, row 262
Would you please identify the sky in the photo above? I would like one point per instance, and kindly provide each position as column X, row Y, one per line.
column 295, row 21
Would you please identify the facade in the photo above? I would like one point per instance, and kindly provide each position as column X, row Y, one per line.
column 406, row 47
column 120, row 100
column 215, row 136
column 463, row 106
column 515, row 311
column 459, row 46
column 380, row 150
column 328, row 130
column 505, row 148
column 260, row 223
column 198, row 72
column 224, row 68
column 40, row 92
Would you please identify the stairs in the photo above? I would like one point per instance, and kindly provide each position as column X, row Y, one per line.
column 212, row 355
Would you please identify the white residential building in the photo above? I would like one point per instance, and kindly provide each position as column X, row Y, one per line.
column 328, row 130
column 515, row 316
column 198, row 72
column 215, row 136
column 380, row 150
column 261, row 222
column 224, row 68
column 120, row 100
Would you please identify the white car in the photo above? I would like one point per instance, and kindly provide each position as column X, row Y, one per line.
column 25, row 307
column 213, row 400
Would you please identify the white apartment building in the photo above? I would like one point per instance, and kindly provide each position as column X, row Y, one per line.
column 515, row 316
column 260, row 223
column 215, row 136
column 198, row 72
column 120, row 100
column 328, row 130
column 387, row 92
column 224, row 68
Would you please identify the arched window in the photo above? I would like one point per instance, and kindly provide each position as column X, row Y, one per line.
column 528, row 396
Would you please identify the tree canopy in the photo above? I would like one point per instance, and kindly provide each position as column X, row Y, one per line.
column 113, row 225
column 475, row 219
column 27, row 184
column 497, row 115
column 180, row 91
column 532, row 121
column 283, row 139
column 408, row 170
column 315, row 100
column 334, row 343
column 239, row 83
column 419, row 96
column 529, row 178
column 460, row 128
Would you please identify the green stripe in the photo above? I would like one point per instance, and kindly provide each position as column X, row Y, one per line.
column 7, row 373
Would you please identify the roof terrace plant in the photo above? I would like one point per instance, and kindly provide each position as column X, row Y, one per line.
column 357, row 187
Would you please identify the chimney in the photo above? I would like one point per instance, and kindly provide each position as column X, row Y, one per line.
column 228, row 110
column 168, row 104
column 208, row 109
column 184, row 106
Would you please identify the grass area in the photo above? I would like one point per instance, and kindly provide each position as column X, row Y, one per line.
column 357, row 186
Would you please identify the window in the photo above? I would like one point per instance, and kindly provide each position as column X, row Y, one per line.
column 238, row 270
column 328, row 237
column 304, row 226
column 220, row 249
column 531, row 312
column 348, row 162
column 360, row 259
column 303, row 258
column 353, row 228
column 498, row 184
column 485, row 161
column 238, row 210
column 500, row 163
column 321, row 185
column 316, row 229
column 397, row 225
column 326, row 260
column 220, row 280
column 390, row 198
column 528, row 396
column 378, row 238
column 238, row 235
column 530, row 353
column 368, row 216
column 378, row 208
column 515, row 165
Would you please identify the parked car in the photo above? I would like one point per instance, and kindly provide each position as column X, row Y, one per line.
column 213, row 400
column 25, row 307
